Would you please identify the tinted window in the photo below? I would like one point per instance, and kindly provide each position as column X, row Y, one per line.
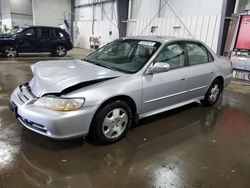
column 197, row 54
column 38, row 32
column 52, row 32
column 45, row 32
column 173, row 54
column 42, row 32
column 28, row 32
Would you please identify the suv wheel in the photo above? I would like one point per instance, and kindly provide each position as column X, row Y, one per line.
column 60, row 51
column 213, row 93
column 10, row 51
column 111, row 123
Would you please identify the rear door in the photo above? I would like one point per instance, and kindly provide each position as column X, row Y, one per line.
column 201, row 69
column 44, row 39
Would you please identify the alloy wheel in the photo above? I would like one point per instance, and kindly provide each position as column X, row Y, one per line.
column 10, row 52
column 115, row 123
column 60, row 51
column 214, row 93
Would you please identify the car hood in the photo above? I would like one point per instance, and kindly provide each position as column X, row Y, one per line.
column 6, row 36
column 58, row 76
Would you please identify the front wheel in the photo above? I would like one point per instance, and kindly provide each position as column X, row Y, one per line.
column 112, row 122
column 10, row 51
column 213, row 93
column 60, row 51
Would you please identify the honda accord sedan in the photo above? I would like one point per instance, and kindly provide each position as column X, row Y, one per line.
column 115, row 86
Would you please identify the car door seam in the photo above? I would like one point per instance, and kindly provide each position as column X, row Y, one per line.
column 164, row 97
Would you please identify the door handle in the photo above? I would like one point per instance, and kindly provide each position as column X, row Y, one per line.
column 183, row 79
column 212, row 72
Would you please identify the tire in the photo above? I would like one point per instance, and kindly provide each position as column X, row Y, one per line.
column 213, row 93
column 111, row 123
column 60, row 51
column 10, row 51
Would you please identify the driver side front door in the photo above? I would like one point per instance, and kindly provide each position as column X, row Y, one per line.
column 166, row 89
column 26, row 41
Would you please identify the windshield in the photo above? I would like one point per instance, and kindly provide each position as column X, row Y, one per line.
column 127, row 56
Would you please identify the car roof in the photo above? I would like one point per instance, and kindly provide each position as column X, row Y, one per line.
column 38, row 26
column 161, row 39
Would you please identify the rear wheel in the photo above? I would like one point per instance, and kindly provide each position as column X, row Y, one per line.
column 10, row 51
column 60, row 51
column 112, row 122
column 213, row 93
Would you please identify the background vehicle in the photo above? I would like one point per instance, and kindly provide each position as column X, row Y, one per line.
column 113, row 87
column 36, row 39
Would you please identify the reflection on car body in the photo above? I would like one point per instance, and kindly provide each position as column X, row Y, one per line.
column 116, row 158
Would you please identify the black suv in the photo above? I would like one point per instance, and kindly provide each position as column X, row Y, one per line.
column 36, row 39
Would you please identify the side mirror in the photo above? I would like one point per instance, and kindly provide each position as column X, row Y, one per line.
column 158, row 67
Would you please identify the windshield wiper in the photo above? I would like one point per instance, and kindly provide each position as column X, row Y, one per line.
column 108, row 67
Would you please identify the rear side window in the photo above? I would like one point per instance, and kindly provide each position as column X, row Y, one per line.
column 45, row 32
column 38, row 32
column 198, row 54
column 52, row 32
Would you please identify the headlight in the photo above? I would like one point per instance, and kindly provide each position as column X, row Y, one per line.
column 60, row 104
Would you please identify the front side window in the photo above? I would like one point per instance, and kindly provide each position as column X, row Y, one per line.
column 28, row 32
column 124, row 55
column 197, row 54
column 173, row 54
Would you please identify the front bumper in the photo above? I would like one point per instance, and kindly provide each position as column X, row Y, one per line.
column 53, row 124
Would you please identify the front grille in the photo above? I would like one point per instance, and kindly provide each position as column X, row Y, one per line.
column 33, row 125
column 24, row 93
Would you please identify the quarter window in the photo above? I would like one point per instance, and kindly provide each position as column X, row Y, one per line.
column 173, row 54
column 197, row 54
column 59, row 34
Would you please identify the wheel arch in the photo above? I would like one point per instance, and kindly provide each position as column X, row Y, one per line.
column 221, row 79
column 3, row 46
column 54, row 46
column 124, row 98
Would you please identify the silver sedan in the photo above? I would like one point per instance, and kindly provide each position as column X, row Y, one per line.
column 115, row 86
